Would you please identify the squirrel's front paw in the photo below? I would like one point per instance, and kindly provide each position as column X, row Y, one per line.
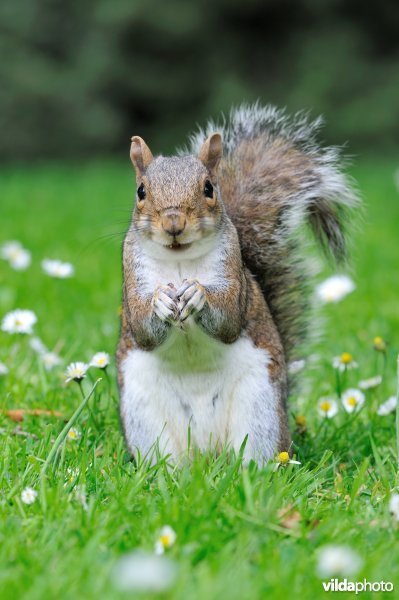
column 164, row 303
column 191, row 298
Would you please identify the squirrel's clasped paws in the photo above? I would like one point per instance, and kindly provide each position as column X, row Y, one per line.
column 191, row 298
column 164, row 303
column 176, row 306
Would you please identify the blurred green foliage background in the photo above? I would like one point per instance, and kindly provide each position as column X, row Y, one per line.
column 77, row 79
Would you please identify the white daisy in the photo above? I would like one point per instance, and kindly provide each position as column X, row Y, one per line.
column 3, row 369
column 300, row 421
column 139, row 571
column 327, row 407
column 387, row 407
column 366, row 384
column 74, row 434
column 344, row 362
column 166, row 539
column 28, row 495
column 100, row 360
column 9, row 248
column 338, row 560
column 19, row 321
column 51, row 360
column 21, row 259
column 18, row 257
column 394, row 506
column 379, row 344
column 57, row 268
column 76, row 371
column 352, row 400
column 296, row 365
column 37, row 345
column 71, row 475
column 335, row 288
column 284, row 459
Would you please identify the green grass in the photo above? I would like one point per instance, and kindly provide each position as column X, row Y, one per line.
column 231, row 541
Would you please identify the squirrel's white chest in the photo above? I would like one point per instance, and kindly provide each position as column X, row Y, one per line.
column 153, row 272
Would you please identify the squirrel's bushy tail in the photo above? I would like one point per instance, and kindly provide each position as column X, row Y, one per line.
column 273, row 179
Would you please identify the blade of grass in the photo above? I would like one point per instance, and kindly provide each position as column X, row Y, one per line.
column 379, row 463
column 61, row 438
column 359, row 479
column 230, row 472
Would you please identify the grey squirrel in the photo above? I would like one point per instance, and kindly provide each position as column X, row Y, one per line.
column 214, row 294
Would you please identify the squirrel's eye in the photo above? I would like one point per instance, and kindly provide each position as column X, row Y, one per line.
column 208, row 189
column 141, row 192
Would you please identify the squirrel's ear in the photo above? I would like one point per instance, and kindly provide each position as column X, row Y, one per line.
column 140, row 154
column 211, row 152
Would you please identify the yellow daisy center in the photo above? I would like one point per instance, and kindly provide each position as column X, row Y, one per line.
column 283, row 457
column 18, row 322
column 101, row 361
column 165, row 540
column 352, row 401
column 325, row 406
column 72, row 434
column 379, row 343
column 346, row 358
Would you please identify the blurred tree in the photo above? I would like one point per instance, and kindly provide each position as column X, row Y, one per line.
column 78, row 78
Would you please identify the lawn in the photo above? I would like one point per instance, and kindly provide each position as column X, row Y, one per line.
column 241, row 532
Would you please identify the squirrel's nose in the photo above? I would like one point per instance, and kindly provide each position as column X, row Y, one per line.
column 173, row 222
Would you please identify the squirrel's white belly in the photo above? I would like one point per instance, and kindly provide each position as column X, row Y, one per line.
column 221, row 392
